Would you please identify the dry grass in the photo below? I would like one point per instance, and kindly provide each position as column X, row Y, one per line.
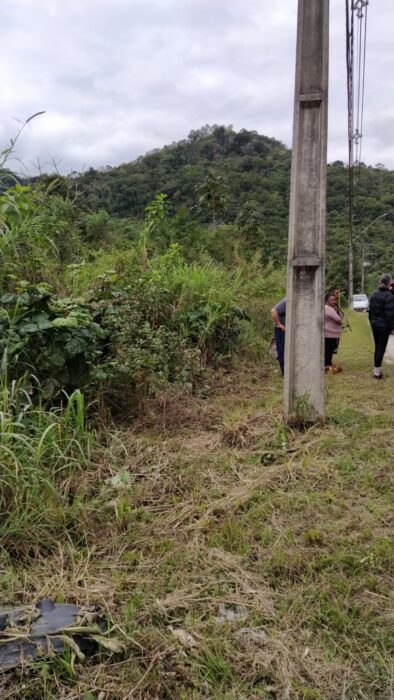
column 226, row 505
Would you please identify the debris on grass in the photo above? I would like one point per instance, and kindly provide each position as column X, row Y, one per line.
column 231, row 613
column 251, row 634
column 186, row 639
column 122, row 479
column 47, row 629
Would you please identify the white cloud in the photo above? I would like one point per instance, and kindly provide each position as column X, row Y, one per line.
column 117, row 79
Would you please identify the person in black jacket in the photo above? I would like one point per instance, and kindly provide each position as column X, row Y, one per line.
column 381, row 318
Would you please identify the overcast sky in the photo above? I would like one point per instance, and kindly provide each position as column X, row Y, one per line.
column 117, row 78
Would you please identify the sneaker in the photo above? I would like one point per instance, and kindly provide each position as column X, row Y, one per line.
column 378, row 376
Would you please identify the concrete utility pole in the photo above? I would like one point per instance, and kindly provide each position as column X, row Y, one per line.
column 304, row 372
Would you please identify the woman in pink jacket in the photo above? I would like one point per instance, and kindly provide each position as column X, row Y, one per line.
column 332, row 331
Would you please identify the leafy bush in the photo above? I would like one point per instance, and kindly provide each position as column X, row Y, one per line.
column 57, row 341
column 152, row 319
column 16, row 215
column 38, row 233
column 97, row 226
column 208, row 308
column 58, row 226
column 147, row 350
column 169, row 321
column 163, row 324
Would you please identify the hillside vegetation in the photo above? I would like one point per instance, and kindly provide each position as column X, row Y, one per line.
column 241, row 179
column 144, row 463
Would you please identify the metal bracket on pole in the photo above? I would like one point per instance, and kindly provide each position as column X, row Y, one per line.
column 358, row 6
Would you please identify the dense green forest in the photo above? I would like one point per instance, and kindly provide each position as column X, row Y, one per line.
column 224, row 191
column 241, row 180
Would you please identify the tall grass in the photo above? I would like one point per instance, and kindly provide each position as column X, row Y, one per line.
column 40, row 450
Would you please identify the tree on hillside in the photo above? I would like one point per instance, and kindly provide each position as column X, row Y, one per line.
column 212, row 195
column 249, row 221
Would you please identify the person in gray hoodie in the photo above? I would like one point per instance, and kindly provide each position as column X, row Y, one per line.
column 381, row 319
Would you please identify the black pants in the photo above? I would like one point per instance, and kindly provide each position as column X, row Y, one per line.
column 381, row 338
column 330, row 346
column 280, row 348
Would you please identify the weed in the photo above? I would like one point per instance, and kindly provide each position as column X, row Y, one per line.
column 124, row 513
column 313, row 536
column 304, row 412
column 215, row 669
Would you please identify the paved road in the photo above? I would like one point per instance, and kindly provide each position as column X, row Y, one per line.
column 389, row 354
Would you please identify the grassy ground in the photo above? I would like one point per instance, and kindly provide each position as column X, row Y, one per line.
column 225, row 506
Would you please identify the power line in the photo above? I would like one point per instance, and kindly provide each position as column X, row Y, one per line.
column 349, row 71
column 361, row 25
column 356, row 43
column 356, row 34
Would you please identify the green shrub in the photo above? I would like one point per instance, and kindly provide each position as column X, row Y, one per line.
column 38, row 234
column 58, row 342
column 97, row 226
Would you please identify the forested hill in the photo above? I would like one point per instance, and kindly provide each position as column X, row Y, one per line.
column 251, row 167
column 217, row 175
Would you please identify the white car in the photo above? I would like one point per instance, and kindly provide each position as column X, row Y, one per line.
column 360, row 302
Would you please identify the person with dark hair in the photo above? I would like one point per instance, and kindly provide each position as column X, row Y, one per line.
column 278, row 314
column 336, row 292
column 332, row 331
column 381, row 319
